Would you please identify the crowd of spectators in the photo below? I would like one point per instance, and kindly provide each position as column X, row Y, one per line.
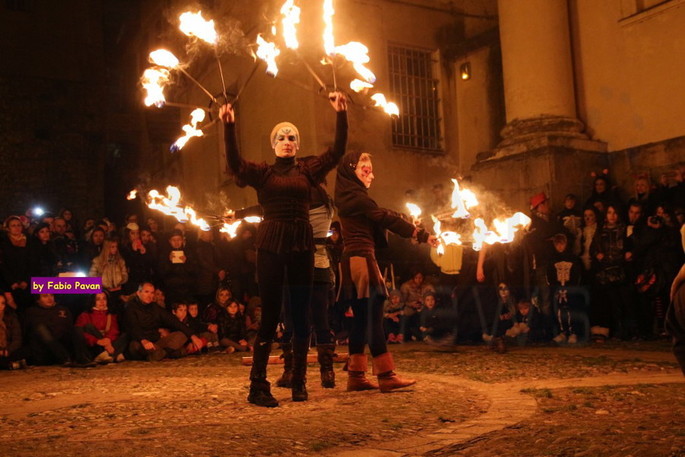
column 593, row 270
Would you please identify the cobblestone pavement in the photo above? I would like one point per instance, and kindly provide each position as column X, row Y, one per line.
column 618, row 399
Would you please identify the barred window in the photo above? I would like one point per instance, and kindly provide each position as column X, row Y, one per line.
column 415, row 90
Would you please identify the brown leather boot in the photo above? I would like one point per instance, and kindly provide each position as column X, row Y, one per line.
column 383, row 367
column 356, row 374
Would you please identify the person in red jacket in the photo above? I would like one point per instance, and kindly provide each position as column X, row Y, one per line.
column 101, row 331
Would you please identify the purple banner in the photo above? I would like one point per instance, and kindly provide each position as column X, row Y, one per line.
column 66, row 285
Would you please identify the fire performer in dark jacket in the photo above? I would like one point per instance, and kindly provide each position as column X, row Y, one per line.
column 364, row 225
column 284, row 242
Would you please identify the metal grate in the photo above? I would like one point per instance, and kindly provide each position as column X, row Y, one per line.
column 415, row 91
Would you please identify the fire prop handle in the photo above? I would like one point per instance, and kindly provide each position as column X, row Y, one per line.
column 198, row 84
column 247, row 81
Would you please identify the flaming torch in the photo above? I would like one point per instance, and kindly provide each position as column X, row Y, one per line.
column 193, row 24
column 154, row 80
column 169, row 204
column 132, row 195
column 461, row 200
column 166, row 59
column 190, row 129
column 445, row 238
column 291, row 17
column 414, row 212
column 389, row 107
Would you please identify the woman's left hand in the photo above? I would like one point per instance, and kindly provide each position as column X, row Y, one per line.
column 338, row 101
column 433, row 241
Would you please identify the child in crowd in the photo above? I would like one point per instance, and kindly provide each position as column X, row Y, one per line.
column 563, row 276
column 435, row 323
column 571, row 217
column 201, row 328
column 180, row 310
column 504, row 317
column 253, row 318
column 527, row 326
column 100, row 329
column 392, row 317
column 233, row 330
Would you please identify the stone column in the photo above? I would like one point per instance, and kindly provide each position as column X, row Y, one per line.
column 543, row 146
column 538, row 69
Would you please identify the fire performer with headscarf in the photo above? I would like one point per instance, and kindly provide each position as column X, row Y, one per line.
column 285, row 243
column 364, row 226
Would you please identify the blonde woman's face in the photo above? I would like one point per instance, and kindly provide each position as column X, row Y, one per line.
column 364, row 171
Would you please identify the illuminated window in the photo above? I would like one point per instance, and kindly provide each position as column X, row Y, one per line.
column 414, row 88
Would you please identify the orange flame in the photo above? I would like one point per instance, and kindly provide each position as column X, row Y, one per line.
column 444, row 238
column 132, row 195
column 291, row 17
column 389, row 107
column 268, row 53
column 169, row 204
column 358, row 85
column 232, row 228
column 462, row 200
column 191, row 130
column 328, row 39
column 154, row 80
column 504, row 230
column 193, row 24
column 163, row 58
column 358, row 54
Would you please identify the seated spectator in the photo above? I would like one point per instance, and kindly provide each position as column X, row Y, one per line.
column 111, row 267
column 180, row 310
column 145, row 324
column 527, row 326
column 12, row 355
column 435, row 323
column 52, row 336
column 160, row 298
column 209, row 332
column 253, row 318
column 392, row 317
column 233, row 330
column 504, row 317
column 177, row 269
column 216, row 311
column 412, row 298
column 101, row 331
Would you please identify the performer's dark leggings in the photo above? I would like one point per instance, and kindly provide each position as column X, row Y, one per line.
column 367, row 326
column 273, row 271
column 319, row 314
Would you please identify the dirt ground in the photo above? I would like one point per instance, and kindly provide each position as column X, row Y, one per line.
column 618, row 399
